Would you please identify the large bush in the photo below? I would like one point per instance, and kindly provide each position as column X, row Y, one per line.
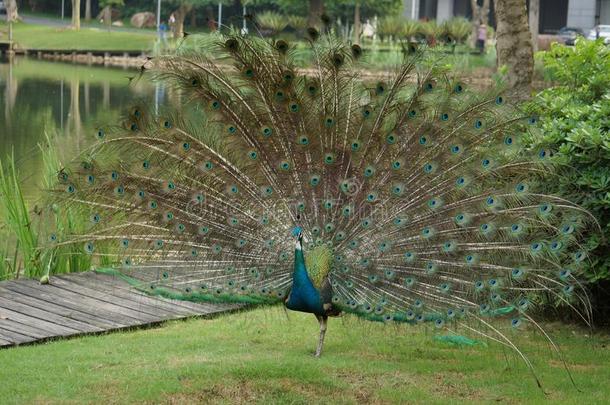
column 575, row 118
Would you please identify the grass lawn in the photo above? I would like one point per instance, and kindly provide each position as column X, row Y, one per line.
column 262, row 356
column 28, row 36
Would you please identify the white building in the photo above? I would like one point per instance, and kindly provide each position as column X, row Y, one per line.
column 554, row 14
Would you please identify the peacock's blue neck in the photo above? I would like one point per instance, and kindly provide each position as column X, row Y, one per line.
column 304, row 296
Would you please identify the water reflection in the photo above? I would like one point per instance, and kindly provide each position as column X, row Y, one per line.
column 65, row 101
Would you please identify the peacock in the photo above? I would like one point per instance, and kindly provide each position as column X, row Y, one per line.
column 403, row 197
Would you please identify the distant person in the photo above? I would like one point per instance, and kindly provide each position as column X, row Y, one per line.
column 212, row 25
column 481, row 38
column 172, row 23
column 163, row 29
column 368, row 30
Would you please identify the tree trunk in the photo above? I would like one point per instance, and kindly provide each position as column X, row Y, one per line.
column 11, row 10
column 514, row 45
column 87, row 10
column 316, row 9
column 180, row 15
column 107, row 13
column 480, row 15
column 76, row 14
column 194, row 18
column 534, row 18
column 357, row 23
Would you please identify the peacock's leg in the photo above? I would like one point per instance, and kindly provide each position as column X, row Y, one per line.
column 323, row 321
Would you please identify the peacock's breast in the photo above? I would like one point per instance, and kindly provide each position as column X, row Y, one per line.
column 305, row 298
column 304, row 295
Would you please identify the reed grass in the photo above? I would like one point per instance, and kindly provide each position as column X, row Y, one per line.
column 8, row 262
column 17, row 223
column 28, row 250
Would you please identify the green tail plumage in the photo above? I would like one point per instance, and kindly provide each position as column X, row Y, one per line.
column 416, row 199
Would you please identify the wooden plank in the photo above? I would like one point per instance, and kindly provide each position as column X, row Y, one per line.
column 143, row 302
column 46, row 327
column 14, row 337
column 84, row 303
column 119, row 314
column 109, row 282
column 145, row 311
column 55, row 308
column 115, row 320
column 47, row 316
column 104, row 303
column 11, row 325
column 5, row 342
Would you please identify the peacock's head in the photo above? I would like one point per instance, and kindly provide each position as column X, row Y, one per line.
column 297, row 232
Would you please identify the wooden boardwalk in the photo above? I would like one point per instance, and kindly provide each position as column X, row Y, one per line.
column 84, row 303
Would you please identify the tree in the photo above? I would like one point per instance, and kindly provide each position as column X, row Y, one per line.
column 364, row 8
column 180, row 14
column 76, row 14
column 514, row 44
column 357, row 23
column 107, row 9
column 11, row 10
column 534, row 17
column 314, row 15
column 480, row 15
column 184, row 7
column 87, row 10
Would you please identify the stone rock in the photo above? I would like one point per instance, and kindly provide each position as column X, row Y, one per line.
column 143, row 19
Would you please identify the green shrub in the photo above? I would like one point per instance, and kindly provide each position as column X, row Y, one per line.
column 575, row 118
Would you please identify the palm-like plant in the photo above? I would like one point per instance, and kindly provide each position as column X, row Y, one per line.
column 272, row 21
column 297, row 22
column 390, row 26
column 459, row 28
column 429, row 31
column 409, row 29
column 429, row 28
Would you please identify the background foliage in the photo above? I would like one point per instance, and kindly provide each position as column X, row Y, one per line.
column 575, row 119
column 343, row 9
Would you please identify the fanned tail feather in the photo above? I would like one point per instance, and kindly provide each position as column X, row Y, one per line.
column 420, row 186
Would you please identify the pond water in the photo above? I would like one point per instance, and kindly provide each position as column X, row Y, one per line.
column 65, row 102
